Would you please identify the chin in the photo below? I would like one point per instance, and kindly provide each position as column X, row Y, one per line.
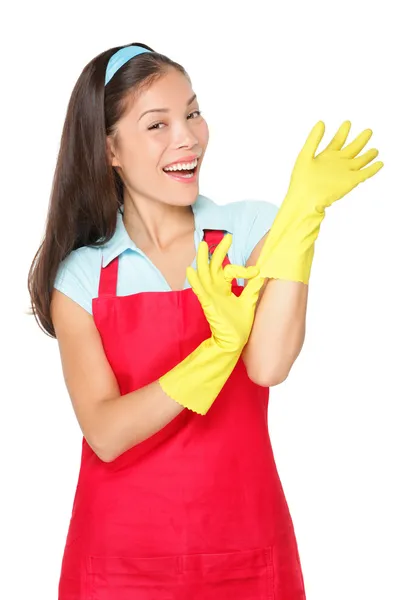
column 185, row 198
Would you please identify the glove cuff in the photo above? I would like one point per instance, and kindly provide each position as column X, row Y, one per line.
column 196, row 381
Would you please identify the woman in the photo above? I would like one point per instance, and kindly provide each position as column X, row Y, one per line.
column 169, row 368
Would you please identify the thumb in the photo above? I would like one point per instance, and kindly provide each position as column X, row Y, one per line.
column 238, row 272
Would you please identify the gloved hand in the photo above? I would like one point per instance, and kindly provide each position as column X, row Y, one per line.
column 198, row 379
column 316, row 182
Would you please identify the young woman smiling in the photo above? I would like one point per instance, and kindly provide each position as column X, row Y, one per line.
column 174, row 316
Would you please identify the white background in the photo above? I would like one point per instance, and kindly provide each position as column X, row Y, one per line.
column 264, row 73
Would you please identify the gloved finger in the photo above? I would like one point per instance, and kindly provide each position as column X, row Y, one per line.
column 253, row 288
column 364, row 159
column 196, row 286
column 357, row 145
column 265, row 252
column 370, row 171
column 239, row 272
column 219, row 254
column 314, row 139
column 340, row 137
column 203, row 268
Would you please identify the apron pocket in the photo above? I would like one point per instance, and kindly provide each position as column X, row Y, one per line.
column 128, row 578
column 243, row 575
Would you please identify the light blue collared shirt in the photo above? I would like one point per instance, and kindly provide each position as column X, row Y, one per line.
column 79, row 274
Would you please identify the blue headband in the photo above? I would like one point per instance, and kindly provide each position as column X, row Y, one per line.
column 120, row 58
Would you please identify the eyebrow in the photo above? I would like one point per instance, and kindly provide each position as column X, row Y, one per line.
column 166, row 109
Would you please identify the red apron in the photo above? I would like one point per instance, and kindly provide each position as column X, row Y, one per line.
column 196, row 511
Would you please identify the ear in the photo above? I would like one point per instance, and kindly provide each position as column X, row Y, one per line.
column 111, row 152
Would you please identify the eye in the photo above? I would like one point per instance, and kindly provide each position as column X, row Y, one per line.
column 155, row 126
column 196, row 111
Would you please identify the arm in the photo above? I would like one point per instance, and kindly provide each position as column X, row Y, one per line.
column 285, row 259
column 278, row 331
column 111, row 423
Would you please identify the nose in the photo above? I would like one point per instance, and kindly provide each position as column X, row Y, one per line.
column 185, row 137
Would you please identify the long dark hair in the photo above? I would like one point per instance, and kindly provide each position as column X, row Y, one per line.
column 86, row 190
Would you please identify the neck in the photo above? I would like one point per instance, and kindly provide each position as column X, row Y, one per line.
column 155, row 224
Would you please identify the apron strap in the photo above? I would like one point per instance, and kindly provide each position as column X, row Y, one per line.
column 108, row 279
column 213, row 238
column 109, row 274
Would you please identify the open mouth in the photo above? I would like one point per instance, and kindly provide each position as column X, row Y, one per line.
column 183, row 174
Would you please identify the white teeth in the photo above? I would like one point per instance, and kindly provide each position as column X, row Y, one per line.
column 182, row 166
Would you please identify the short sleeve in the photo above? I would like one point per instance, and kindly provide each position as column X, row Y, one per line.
column 78, row 276
column 255, row 220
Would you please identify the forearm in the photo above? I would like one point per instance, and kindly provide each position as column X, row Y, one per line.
column 278, row 332
column 194, row 383
column 123, row 422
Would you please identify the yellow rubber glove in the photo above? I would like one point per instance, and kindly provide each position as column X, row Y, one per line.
column 196, row 381
column 316, row 182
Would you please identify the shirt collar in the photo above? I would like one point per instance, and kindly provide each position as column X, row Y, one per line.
column 207, row 215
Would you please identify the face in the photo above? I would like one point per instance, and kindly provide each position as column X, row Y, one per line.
column 149, row 142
